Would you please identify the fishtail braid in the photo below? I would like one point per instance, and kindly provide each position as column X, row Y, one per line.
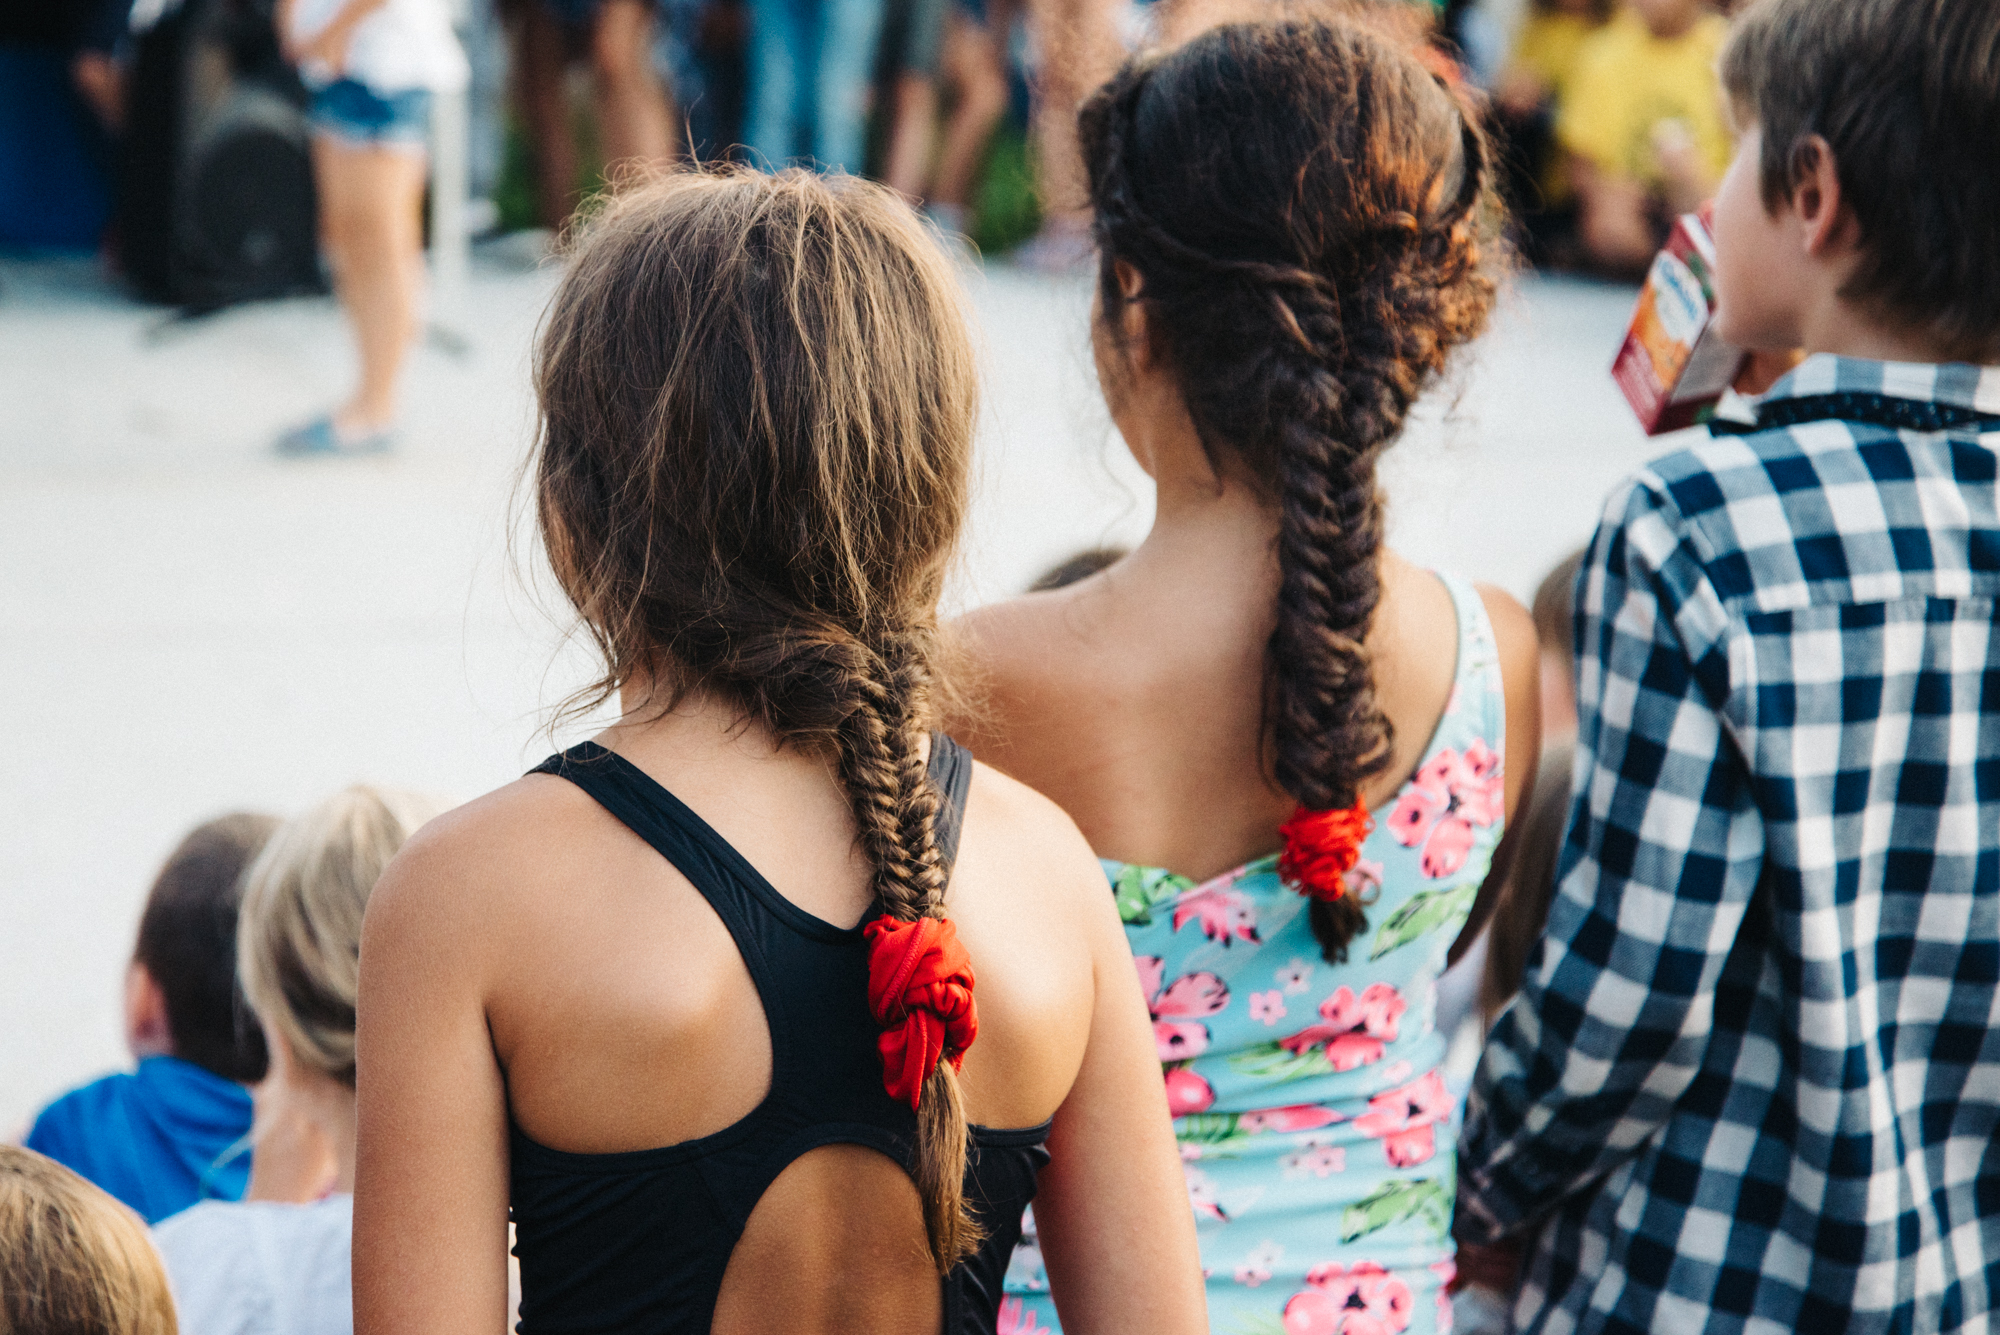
column 1305, row 206
column 895, row 807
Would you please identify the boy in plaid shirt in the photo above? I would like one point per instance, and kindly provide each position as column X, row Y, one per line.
column 1752, row 1082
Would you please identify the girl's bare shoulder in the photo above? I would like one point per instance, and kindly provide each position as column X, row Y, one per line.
column 504, row 849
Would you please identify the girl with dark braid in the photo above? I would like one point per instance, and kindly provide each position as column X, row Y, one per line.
column 714, row 1047
column 1295, row 750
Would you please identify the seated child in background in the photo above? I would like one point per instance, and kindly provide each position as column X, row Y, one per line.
column 1643, row 125
column 1523, row 906
column 156, row 1138
column 1530, row 91
column 73, row 1261
column 277, row 1263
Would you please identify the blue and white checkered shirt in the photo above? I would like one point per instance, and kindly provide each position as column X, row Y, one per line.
column 1752, row 1082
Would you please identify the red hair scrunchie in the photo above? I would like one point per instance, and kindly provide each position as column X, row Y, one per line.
column 920, row 992
column 1321, row 847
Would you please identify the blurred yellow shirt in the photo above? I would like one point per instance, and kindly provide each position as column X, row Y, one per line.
column 1627, row 82
column 1548, row 47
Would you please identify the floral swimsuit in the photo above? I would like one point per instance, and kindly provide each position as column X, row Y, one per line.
column 1314, row 1124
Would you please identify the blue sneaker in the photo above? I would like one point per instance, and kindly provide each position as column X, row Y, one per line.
column 319, row 438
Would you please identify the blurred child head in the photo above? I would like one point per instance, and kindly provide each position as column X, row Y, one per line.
column 182, row 998
column 299, row 938
column 1555, row 604
column 1669, row 18
column 73, row 1261
column 1597, row 11
column 1864, row 183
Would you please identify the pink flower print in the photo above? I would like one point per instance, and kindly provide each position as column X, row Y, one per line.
column 1403, row 1120
column 1225, row 914
column 1363, row 880
column 1293, row 1117
column 1362, row 1300
column 1176, row 1033
column 1354, row 1030
column 1447, row 1273
column 1296, row 977
column 1316, row 1159
column 1187, row 1092
column 1267, row 1007
column 1449, row 795
column 1016, row 1319
column 1256, row 1267
column 1202, row 1195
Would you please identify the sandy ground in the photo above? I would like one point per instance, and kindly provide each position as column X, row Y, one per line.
column 189, row 625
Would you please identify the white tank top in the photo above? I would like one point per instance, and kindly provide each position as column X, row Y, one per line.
column 403, row 46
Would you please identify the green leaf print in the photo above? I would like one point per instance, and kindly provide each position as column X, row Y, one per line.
column 1392, row 1203
column 1270, row 1061
column 1138, row 889
column 1258, row 1324
column 1216, row 1133
column 1425, row 912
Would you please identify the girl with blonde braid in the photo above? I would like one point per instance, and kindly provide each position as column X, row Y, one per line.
column 1295, row 750
column 696, row 1000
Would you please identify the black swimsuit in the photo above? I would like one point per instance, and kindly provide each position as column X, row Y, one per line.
column 638, row 1242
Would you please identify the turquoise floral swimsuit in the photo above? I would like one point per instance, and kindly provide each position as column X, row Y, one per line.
column 1314, row 1124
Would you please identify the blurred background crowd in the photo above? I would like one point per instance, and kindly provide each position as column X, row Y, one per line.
column 122, row 120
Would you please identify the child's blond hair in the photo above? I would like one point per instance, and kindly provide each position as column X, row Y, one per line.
column 73, row 1261
column 299, row 933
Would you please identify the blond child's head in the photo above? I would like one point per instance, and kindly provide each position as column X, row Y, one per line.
column 73, row 1261
column 299, row 932
column 1669, row 18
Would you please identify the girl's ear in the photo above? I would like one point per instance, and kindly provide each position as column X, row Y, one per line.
column 1135, row 331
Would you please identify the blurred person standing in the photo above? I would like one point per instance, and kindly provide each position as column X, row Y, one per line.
column 1643, row 127
column 160, row 1138
column 634, row 107
column 812, row 64
column 372, row 67
column 972, row 63
column 913, row 58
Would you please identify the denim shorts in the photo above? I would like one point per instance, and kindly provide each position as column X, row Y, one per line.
column 351, row 111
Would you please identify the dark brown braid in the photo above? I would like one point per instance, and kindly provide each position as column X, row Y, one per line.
column 1306, row 207
column 757, row 398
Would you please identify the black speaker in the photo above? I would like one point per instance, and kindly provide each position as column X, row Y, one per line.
column 217, row 203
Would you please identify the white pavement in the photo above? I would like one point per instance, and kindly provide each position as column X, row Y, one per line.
column 189, row 625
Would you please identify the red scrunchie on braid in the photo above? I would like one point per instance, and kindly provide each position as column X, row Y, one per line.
column 1321, row 847
column 920, row 992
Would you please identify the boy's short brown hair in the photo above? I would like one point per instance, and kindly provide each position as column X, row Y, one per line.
column 187, row 941
column 1907, row 94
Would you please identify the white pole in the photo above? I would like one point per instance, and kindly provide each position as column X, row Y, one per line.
column 450, row 182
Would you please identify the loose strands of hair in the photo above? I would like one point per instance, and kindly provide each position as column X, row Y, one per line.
column 1306, row 207
column 757, row 396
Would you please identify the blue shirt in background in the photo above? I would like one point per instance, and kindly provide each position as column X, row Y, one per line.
column 154, row 1138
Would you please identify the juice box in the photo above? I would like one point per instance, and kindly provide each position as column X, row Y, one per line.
column 1673, row 367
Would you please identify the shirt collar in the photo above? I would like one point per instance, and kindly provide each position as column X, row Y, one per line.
column 1956, row 383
